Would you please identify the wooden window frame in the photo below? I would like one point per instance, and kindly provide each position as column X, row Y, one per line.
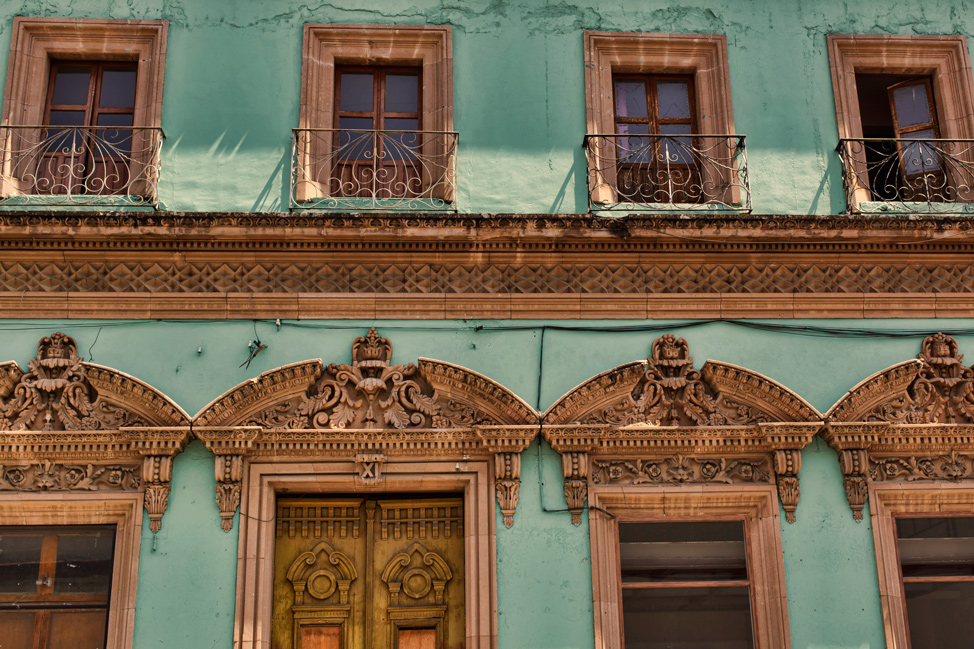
column 263, row 481
column 757, row 506
column 123, row 510
column 326, row 46
column 886, row 503
column 700, row 56
column 945, row 60
column 36, row 42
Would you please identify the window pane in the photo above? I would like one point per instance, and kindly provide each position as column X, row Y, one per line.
column 940, row 615
column 84, row 563
column 78, row 629
column 355, row 145
column 20, row 558
column 16, row 629
column 114, row 141
column 657, row 552
column 631, row 99
column 676, row 150
column 71, row 85
column 920, row 157
column 634, row 150
column 674, row 99
column 67, row 118
column 402, row 93
column 936, row 546
column 117, row 89
column 912, row 106
column 687, row 618
column 401, row 146
column 356, row 90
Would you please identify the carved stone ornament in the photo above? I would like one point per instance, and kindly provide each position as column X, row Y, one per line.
column 664, row 423
column 67, row 425
column 368, row 412
column 418, row 574
column 911, row 422
column 321, row 576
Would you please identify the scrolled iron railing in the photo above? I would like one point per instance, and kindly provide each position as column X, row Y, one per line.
column 667, row 173
column 364, row 170
column 80, row 165
column 921, row 175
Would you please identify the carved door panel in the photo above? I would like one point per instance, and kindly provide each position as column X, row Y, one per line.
column 369, row 573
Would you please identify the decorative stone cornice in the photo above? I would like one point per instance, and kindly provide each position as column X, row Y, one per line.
column 68, row 425
column 911, row 422
column 159, row 265
column 366, row 412
column 664, row 423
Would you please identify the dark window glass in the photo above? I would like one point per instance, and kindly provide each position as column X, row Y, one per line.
column 356, row 92
column 20, row 557
column 117, row 88
column 402, row 93
column 687, row 618
column 71, row 86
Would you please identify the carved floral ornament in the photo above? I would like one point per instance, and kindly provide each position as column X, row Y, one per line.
column 367, row 412
column 662, row 422
column 910, row 423
column 67, row 425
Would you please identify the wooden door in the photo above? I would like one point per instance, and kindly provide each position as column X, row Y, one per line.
column 369, row 573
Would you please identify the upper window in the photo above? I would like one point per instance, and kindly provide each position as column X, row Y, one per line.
column 904, row 110
column 375, row 130
column 82, row 112
column 660, row 124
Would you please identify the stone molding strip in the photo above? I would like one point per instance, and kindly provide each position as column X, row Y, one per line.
column 137, row 265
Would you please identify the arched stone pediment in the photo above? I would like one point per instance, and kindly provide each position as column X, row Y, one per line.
column 667, row 391
column 911, row 422
column 69, row 425
column 663, row 422
column 366, row 411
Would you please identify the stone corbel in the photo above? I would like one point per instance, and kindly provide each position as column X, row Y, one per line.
column 854, row 464
column 230, row 445
column 229, row 473
column 787, row 464
column 369, row 467
column 156, row 475
column 574, row 467
column 507, row 481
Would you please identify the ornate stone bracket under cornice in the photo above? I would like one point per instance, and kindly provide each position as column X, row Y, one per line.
column 661, row 422
column 911, row 422
column 367, row 412
column 66, row 425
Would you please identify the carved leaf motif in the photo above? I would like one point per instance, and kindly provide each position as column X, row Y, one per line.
column 342, row 414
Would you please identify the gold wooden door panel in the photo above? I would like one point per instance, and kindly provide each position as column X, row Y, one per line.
column 369, row 573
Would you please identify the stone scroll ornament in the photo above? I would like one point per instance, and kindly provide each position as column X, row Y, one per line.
column 368, row 412
column 912, row 422
column 67, row 425
column 662, row 422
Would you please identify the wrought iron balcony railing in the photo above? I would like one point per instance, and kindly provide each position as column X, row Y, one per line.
column 358, row 170
column 667, row 173
column 923, row 175
column 80, row 165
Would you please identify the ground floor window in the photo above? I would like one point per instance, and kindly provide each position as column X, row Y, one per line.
column 55, row 586
column 677, row 568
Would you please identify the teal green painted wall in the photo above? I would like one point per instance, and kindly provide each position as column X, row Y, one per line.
column 543, row 562
column 233, row 89
column 187, row 571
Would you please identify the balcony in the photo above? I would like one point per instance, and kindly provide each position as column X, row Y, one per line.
column 667, row 173
column 80, row 165
column 908, row 175
column 360, row 171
